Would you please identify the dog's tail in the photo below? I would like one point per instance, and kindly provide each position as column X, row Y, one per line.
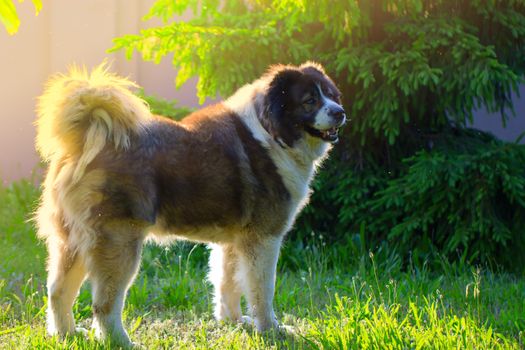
column 80, row 112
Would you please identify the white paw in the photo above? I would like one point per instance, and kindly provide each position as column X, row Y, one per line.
column 286, row 329
column 261, row 325
column 247, row 320
column 81, row 331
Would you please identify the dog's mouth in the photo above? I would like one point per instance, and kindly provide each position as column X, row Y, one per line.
column 329, row 135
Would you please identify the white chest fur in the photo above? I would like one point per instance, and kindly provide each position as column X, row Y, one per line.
column 296, row 165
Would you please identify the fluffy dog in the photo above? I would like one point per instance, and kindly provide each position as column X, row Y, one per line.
column 234, row 175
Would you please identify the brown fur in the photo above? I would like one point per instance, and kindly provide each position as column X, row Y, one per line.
column 209, row 178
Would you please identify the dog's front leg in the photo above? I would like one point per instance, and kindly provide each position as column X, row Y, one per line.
column 256, row 274
column 224, row 265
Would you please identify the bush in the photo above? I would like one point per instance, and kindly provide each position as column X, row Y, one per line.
column 407, row 171
column 463, row 200
column 167, row 108
column 465, row 197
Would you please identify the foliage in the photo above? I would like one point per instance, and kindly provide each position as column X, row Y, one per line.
column 410, row 71
column 9, row 16
column 463, row 199
column 167, row 108
column 398, row 60
column 332, row 299
column 466, row 197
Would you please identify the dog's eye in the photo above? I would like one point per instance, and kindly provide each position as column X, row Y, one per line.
column 309, row 101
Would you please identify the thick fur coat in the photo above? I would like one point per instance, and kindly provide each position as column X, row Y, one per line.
column 233, row 175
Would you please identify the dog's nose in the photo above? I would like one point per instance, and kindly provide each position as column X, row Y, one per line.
column 338, row 113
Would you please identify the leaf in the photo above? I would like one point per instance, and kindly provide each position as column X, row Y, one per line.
column 38, row 6
column 519, row 138
column 136, row 325
column 9, row 16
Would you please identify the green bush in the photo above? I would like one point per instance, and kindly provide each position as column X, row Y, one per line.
column 463, row 200
column 465, row 197
column 407, row 171
column 164, row 107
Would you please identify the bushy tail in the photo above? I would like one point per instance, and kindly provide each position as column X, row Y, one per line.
column 80, row 112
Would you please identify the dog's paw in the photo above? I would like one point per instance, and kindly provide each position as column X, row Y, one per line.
column 247, row 320
column 137, row 346
column 286, row 329
column 261, row 325
column 81, row 331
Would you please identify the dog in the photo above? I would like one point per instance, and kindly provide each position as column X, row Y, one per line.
column 233, row 175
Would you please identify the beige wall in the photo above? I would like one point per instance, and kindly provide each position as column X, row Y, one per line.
column 66, row 31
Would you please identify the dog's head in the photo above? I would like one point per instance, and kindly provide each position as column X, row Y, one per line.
column 303, row 100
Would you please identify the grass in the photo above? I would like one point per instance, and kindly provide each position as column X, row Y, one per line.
column 331, row 296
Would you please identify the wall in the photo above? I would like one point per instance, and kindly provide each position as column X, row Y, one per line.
column 514, row 127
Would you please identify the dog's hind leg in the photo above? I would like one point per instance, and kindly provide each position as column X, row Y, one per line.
column 66, row 272
column 227, row 294
column 112, row 263
column 257, row 269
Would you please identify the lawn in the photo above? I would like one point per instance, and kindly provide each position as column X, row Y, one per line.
column 333, row 297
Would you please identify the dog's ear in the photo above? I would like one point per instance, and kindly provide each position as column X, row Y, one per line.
column 281, row 123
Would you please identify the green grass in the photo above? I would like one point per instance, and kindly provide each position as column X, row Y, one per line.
column 332, row 297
